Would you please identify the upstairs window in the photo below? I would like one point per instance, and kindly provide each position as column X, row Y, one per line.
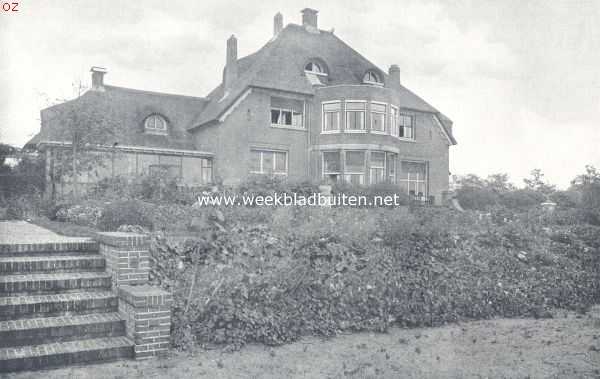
column 287, row 112
column 406, row 126
column 156, row 123
column 378, row 117
column 315, row 68
column 394, row 128
column 331, row 116
column 316, row 73
column 268, row 162
column 371, row 77
column 355, row 116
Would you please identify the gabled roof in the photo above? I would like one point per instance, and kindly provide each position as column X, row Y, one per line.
column 279, row 65
column 128, row 109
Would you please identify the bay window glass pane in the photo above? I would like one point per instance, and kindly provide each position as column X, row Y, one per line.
column 355, row 161
column 331, row 161
column 355, row 106
column 280, row 162
column 378, row 121
column 355, row 120
column 377, row 159
column 331, row 121
column 378, row 108
column 330, row 107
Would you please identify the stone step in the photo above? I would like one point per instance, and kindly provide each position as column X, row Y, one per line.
column 76, row 246
column 59, row 329
column 11, row 285
column 17, row 307
column 32, row 357
column 51, row 263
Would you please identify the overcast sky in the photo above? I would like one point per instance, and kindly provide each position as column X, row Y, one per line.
column 520, row 79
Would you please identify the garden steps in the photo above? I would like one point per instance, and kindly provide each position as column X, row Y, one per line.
column 57, row 306
column 53, row 263
column 47, row 305
column 11, row 285
column 59, row 329
column 32, row 357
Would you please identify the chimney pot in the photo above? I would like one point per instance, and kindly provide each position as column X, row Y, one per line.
column 309, row 18
column 277, row 24
column 394, row 77
column 98, row 78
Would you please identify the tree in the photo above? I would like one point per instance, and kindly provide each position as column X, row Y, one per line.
column 87, row 123
column 588, row 185
column 536, row 182
column 499, row 183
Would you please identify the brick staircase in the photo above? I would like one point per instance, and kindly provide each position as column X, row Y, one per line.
column 57, row 307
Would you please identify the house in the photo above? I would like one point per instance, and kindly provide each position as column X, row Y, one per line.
column 304, row 106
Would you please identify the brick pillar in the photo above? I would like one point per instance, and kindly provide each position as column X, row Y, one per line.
column 147, row 314
column 127, row 257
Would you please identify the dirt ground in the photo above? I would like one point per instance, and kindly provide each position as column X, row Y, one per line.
column 567, row 346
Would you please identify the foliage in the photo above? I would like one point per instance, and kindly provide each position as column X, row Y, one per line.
column 127, row 212
column 521, row 199
column 536, row 182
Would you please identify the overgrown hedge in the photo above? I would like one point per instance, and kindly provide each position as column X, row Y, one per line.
column 320, row 271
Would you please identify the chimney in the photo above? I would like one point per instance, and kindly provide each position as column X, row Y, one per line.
column 394, row 77
column 98, row 78
column 230, row 74
column 277, row 24
column 309, row 18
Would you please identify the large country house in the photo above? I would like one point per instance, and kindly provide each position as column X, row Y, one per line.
column 304, row 106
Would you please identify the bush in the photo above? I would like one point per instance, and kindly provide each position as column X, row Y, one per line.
column 521, row 199
column 370, row 193
column 482, row 199
column 128, row 212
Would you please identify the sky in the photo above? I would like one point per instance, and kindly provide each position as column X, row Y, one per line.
column 520, row 79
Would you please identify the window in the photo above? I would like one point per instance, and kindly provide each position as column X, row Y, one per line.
column 371, row 77
column 377, row 168
column 378, row 117
column 406, row 126
column 413, row 178
column 391, row 167
column 315, row 68
column 156, row 123
column 268, row 162
column 394, row 128
column 331, row 116
column 287, row 112
column 355, row 116
column 331, row 165
column 354, row 167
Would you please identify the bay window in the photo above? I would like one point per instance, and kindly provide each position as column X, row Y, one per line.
column 354, row 167
column 377, row 167
column 331, row 116
column 355, row 116
column 378, row 117
column 391, row 167
column 394, row 127
column 268, row 162
column 332, row 168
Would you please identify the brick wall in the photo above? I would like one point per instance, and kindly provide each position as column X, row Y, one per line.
column 147, row 314
column 127, row 257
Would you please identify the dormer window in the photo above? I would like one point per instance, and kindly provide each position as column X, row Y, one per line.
column 371, row 77
column 156, row 124
column 316, row 72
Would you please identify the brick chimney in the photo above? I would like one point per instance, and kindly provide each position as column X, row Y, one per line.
column 277, row 24
column 231, row 69
column 309, row 18
column 98, row 78
column 394, row 77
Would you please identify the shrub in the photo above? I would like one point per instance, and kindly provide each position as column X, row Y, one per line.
column 128, row 212
column 475, row 198
column 521, row 199
column 370, row 193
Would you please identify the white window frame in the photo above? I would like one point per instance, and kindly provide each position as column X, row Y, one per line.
column 364, row 168
column 413, row 126
column 272, row 151
column 408, row 180
column 153, row 128
column 384, row 113
column 371, row 167
column 394, row 121
column 339, row 121
column 376, row 75
column 364, row 112
column 391, row 178
column 325, row 174
column 286, row 126
column 323, row 72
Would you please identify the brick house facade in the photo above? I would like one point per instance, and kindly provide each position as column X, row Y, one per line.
column 304, row 106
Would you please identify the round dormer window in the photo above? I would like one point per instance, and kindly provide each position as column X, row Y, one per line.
column 156, row 123
column 371, row 77
column 315, row 68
